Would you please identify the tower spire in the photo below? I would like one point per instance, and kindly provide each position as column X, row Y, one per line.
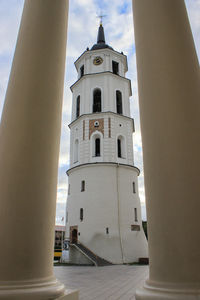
column 101, row 35
column 101, row 43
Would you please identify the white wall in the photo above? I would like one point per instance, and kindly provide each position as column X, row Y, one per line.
column 120, row 126
column 108, row 201
column 108, row 83
column 107, row 55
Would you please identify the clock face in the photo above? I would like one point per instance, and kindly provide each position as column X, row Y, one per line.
column 97, row 60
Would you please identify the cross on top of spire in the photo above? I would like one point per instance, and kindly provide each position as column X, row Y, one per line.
column 101, row 43
column 101, row 16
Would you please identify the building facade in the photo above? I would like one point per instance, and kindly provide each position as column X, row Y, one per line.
column 103, row 206
column 59, row 241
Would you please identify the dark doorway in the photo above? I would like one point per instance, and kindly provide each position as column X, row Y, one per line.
column 73, row 234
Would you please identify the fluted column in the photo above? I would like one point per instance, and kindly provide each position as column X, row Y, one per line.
column 169, row 97
column 29, row 148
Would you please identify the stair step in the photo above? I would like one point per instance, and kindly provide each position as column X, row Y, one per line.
column 95, row 258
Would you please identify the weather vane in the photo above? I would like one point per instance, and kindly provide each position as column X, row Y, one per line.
column 101, row 16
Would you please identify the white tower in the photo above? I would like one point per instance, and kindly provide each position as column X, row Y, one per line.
column 103, row 207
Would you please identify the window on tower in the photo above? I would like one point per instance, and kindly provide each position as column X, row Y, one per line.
column 119, row 148
column 97, row 147
column 97, row 100
column 82, row 71
column 69, row 189
column 135, row 213
column 76, row 150
column 115, row 67
column 134, row 188
column 78, row 106
column 81, row 214
column 66, row 216
column 119, row 102
column 82, row 185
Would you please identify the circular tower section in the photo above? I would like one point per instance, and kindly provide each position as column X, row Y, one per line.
column 103, row 206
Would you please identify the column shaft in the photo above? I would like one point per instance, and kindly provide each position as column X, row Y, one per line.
column 169, row 97
column 29, row 149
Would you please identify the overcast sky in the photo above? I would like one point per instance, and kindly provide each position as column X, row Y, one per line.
column 82, row 33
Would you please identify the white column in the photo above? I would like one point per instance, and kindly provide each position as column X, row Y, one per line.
column 29, row 148
column 169, row 95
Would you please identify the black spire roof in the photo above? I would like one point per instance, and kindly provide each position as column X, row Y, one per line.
column 100, row 40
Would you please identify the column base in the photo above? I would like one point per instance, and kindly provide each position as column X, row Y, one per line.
column 69, row 295
column 151, row 291
column 42, row 289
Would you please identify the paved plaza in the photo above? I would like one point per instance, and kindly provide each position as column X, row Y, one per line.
column 103, row 283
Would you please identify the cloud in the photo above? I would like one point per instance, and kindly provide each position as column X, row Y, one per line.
column 10, row 16
column 60, row 213
column 193, row 9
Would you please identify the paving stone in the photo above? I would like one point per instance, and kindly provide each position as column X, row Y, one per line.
column 103, row 283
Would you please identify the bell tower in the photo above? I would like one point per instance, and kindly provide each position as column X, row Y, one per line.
column 103, row 207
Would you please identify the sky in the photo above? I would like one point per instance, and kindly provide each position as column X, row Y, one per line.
column 82, row 33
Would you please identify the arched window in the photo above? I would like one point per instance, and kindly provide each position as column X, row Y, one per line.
column 121, row 153
column 97, row 100
column 119, row 102
column 97, row 147
column 78, row 106
column 81, row 214
column 76, row 150
column 119, row 148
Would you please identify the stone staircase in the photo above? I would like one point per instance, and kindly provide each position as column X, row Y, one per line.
column 98, row 261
